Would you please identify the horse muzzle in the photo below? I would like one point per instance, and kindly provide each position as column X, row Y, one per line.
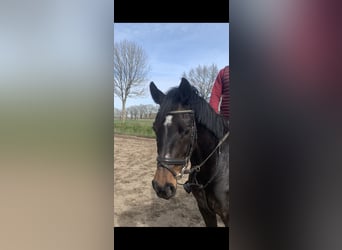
column 166, row 192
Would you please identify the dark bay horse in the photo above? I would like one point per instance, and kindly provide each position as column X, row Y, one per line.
column 188, row 130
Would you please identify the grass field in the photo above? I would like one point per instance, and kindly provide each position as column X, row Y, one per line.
column 140, row 127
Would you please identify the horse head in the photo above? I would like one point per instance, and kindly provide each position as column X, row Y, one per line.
column 175, row 130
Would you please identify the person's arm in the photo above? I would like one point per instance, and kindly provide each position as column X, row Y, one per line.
column 216, row 92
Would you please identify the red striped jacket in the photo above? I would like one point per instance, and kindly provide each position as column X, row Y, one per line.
column 220, row 96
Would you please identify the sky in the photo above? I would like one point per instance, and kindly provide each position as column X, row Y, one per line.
column 174, row 48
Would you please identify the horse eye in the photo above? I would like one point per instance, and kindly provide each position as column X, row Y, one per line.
column 184, row 131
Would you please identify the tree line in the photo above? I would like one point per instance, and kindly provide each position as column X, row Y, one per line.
column 131, row 69
column 134, row 112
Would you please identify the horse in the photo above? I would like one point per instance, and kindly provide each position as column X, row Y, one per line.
column 187, row 130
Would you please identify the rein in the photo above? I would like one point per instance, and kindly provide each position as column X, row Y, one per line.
column 187, row 185
column 197, row 168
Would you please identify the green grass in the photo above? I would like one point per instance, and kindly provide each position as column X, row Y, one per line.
column 140, row 127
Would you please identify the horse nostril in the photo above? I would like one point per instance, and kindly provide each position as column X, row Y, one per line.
column 166, row 191
column 172, row 188
column 154, row 184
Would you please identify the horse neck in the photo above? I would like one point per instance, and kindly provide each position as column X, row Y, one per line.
column 205, row 144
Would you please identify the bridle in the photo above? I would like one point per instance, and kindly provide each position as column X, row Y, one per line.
column 167, row 162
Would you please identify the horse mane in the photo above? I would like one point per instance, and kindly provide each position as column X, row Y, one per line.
column 204, row 113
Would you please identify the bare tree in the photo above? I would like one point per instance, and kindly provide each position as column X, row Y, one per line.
column 202, row 77
column 135, row 112
column 129, row 113
column 130, row 71
column 151, row 110
column 142, row 111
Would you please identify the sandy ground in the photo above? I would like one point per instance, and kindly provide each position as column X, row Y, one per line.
column 135, row 202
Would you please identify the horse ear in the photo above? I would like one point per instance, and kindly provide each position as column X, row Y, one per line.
column 156, row 94
column 185, row 90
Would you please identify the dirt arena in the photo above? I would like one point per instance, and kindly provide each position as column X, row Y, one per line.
column 135, row 202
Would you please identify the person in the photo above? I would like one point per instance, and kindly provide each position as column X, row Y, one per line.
column 220, row 97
